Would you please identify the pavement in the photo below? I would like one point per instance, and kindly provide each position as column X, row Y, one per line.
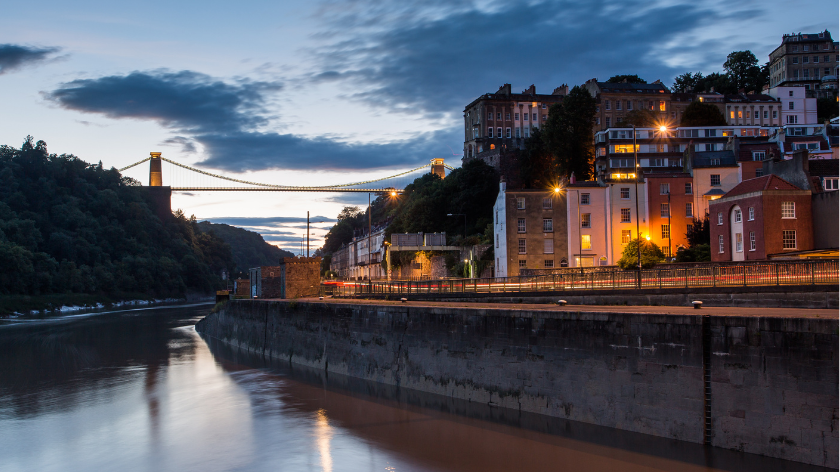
column 641, row 309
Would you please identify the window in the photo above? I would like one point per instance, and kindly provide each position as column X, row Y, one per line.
column 792, row 119
column 805, row 60
column 759, row 172
column 666, row 231
column 789, row 239
column 490, row 116
column 585, row 242
column 790, row 105
column 608, row 122
column 546, row 203
column 788, row 210
column 737, row 215
column 765, row 114
column 618, row 104
column 517, row 132
column 549, row 264
column 507, row 116
column 688, row 189
column 548, row 225
column 521, row 264
column 775, row 114
column 498, row 132
column 740, row 113
column 795, row 61
column 664, row 210
column 664, row 189
column 622, row 148
column 816, row 59
column 752, row 240
column 489, row 132
column 755, row 114
column 545, row 117
column 497, row 240
column 750, row 214
column 739, row 242
column 520, row 203
column 525, row 116
column 499, row 116
column 516, row 116
column 629, row 104
column 625, row 236
column 625, row 193
column 661, row 106
column 522, row 246
column 548, row 246
column 533, row 117
column 715, row 180
column 507, row 133
column 607, row 105
column 520, row 225
column 830, row 184
column 625, row 215
column 720, row 218
column 731, row 114
column 584, row 199
column 586, row 220
column 689, row 210
column 720, row 244
column 758, row 155
column 543, row 106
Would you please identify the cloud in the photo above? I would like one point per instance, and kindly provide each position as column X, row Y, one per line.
column 14, row 56
column 436, row 63
column 187, row 144
column 266, row 221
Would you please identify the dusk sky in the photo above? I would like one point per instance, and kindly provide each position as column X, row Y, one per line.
column 321, row 92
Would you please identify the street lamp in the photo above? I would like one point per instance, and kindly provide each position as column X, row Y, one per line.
column 636, row 178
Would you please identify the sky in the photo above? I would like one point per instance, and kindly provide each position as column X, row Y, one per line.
column 330, row 92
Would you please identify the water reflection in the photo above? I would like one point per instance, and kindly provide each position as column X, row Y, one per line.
column 142, row 391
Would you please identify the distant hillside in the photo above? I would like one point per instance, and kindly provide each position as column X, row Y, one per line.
column 249, row 249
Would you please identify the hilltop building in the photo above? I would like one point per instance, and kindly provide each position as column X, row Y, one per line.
column 805, row 60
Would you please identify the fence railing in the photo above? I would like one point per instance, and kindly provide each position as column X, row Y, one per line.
column 770, row 273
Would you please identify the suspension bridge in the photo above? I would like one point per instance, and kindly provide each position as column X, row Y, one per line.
column 184, row 178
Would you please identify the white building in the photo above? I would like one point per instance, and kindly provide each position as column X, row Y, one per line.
column 797, row 109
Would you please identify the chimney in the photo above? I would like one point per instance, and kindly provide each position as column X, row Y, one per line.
column 502, row 184
column 504, row 90
column 572, row 179
column 532, row 90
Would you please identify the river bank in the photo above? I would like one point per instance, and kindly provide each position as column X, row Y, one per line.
column 762, row 381
column 14, row 306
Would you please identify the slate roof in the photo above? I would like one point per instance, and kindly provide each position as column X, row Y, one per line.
column 625, row 87
column 758, row 184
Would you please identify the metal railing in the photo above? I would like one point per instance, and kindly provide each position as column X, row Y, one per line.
column 770, row 273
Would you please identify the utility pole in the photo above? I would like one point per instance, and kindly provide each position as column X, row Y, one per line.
column 370, row 230
column 307, row 234
column 638, row 217
column 669, row 222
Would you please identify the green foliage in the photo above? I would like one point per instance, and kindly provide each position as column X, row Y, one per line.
column 698, row 253
column 699, row 233
column 567, row 135
column 651, row 255
column 630, row 79
column 350, row 220
column 741, row 67
column 423, row 207
column 688, row 82
column 248, row 248
column 702, row 114
column 642, row 118
column 536, row 164
column 67, row 226
column 826, row 109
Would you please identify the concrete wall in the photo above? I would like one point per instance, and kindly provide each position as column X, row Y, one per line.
column 774, row 381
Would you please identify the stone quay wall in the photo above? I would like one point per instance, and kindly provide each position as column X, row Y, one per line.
column 771, row 383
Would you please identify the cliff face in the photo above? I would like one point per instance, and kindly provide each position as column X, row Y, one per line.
column 770, row 384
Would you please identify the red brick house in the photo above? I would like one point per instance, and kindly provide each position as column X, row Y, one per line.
column 671, row 209
column 760, row 216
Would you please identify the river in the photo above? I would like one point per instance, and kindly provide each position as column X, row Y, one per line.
column 140, row 390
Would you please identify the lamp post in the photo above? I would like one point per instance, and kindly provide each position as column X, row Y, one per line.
column 638, row 217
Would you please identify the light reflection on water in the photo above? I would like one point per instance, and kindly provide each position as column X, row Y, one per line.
column 129, row 391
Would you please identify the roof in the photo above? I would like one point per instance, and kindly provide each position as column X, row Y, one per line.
column 796, row 37
column 759, row 184
column 714, row 192
column 824, row 167
column 749, row 97
column 625, row 87
column 705, row 159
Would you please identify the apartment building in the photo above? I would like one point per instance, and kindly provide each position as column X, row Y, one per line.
column 615, row 100
column 360, row 258
column 496, row 122
column 672, row 209
column 529, row 230
column 796, row 107
column 753, row 109
column 803, row 60
column 590, row 226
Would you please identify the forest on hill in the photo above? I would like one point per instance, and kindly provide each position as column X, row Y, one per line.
column 248, row 248
column 70, row 227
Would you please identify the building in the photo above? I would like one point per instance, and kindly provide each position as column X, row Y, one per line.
column 715, row 173
column 761, row 217
column 752, row 109
column 529, row 230
column 802, row 60
column 361, row 258
column 590, row 225
column 672, row 209
column 495, row 122
column 615, row 100
column 797, row 108
column 295, row 277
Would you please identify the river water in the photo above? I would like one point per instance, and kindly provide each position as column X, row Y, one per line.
column 140, row 390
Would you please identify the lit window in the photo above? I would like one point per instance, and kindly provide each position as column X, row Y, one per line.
column 689, row 210
column 739, row 242
column 664, row 189
column 584, row 199
column 625, row 215
column 788, row 210
column 720, row 218
column 731, row 114
column 625, row 236
column 737, row 216
column 720, row 244
column 548, row 246
column 715, row 180
column 751, row 213
column 661, row 106
column 520, row 225
column 752, row 240
column 666, row 231
column 520, row 203
column 548, row 225
column 521, row 246
column 546, row 203
column 625, row 193
column 789, row 239
column 740, row 114
column 623, row 148
column 585, row 241
column 688, row 189
column 664, row 210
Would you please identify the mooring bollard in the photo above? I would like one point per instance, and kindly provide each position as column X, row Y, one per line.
column 403, row 300
column 561, row 302
column 697, row 304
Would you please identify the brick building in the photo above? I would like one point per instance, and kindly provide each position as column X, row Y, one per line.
column 529, row 230
column 295, row 277
column 761, row 217
column 803, row 60
column 615, row 100
column 672, row 209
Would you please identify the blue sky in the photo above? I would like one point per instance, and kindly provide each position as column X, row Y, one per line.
column 326, row 92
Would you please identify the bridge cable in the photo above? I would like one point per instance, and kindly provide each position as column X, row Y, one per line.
column 135, row 164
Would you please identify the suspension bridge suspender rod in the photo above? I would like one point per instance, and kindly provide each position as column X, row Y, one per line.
column 285, row 189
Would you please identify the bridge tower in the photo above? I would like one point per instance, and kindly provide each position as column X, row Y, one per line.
column 155, row 170
column 437, row 168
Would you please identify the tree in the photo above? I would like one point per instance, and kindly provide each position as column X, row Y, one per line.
column 536, row 164
column 626, row 78
column 651, row 255
column 688, row 82
column 717, row 82
column 567, row 134
column 826, row 109
column 698, row 253
column 741, row 67
column 698, row 113
column 699, row 232
column 641, row 118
